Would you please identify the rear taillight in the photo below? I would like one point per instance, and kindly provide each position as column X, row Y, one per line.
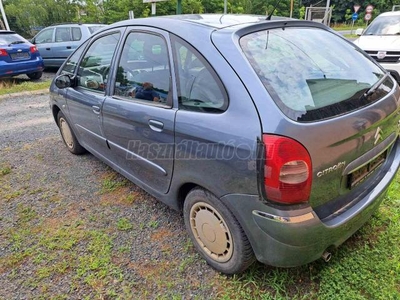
column 3, row 52
column 287, row 170
column 33, row 49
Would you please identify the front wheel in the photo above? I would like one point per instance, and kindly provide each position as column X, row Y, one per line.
column 35, row 76
column 68, row 135
column 216, row 233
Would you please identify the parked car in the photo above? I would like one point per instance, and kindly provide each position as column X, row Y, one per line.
column 381, row 40
column 18, row 56
column 56, row 43
column 278, row 139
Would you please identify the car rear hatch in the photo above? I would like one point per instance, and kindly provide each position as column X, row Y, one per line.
column 15, row 53
column 313, row 87
column 14, row 48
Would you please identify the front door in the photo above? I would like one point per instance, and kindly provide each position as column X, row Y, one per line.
column 86, row 99
column 138, row 119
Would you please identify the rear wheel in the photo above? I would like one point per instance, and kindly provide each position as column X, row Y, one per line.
column 35, row 75
column 68, row 135
column 216, row 233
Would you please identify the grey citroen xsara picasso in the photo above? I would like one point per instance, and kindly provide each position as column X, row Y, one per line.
column 277, row 139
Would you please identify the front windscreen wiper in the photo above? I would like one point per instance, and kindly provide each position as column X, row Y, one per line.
column 373, row 88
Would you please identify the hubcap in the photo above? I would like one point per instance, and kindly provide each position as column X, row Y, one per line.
column 211, row 232
column 66, row 133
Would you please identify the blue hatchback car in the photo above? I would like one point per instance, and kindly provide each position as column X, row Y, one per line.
column 18, row 56
column 277, row 139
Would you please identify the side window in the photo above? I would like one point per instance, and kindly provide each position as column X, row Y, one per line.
column 143, row 72
column 76, row 34
column 95, row 65
column 63, row 34
column 199, row 87
column 70, row 65
column 45, row 36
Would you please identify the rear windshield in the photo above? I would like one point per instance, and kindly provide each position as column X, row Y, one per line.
column 11, row 38
column 313, row 74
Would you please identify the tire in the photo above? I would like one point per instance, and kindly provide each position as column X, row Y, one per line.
column 216, row 234
column 68, row 135
column 35, row 76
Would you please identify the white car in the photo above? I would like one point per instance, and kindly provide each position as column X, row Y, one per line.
column 381, row 40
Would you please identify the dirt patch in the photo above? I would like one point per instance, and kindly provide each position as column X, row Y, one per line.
column 61, row 216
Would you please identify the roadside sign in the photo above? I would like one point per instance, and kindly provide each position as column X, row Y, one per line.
column 367, row 17
column 356, row 7
column 369, row 9
column 354, row 16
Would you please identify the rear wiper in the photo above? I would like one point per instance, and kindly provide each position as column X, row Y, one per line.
column 373, row 88
column 17, row 42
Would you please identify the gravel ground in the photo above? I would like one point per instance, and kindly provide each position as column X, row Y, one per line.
column 71, row 228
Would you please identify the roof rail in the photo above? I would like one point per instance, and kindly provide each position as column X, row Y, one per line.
column 66, row 23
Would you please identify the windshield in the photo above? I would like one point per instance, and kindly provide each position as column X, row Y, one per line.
column 384, row 25
column 11, row 38
column 312, row 74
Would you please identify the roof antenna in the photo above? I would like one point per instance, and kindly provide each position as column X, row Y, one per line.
column 273, row 11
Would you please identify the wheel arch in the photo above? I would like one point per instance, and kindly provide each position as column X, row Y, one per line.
column 183, row 191
column 55, row 110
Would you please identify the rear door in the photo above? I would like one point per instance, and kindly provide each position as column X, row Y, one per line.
column 64, row 44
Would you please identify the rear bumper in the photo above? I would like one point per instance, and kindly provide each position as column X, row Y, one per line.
column 20, row 67
column 296, row 237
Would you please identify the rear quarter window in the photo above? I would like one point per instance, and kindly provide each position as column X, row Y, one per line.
column 311, row 73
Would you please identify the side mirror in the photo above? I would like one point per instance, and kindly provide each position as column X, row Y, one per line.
column 395, row 75
column 64, row 81
column 359, row 31
column 32, row 41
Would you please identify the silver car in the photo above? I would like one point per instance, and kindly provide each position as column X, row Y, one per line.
column 277, row 139
column 55, row 43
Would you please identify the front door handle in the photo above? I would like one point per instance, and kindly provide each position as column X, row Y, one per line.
column 96, row 109
column 47, row 48
column 156, row 125
column 68, row 47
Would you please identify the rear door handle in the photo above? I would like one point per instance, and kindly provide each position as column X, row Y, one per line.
column 156, row 125
column 96, row 109
column 47, row 48
column 68, row 47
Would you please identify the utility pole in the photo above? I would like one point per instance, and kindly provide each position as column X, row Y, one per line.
column 4, row 15
column 179, row 7
column 326, row 19
column 291, row 8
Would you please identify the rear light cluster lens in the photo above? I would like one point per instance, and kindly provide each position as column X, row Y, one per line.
column 33, row 49
column 287, row 170
column 3, row 52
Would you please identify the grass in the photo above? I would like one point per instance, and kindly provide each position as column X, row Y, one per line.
column 9, row 86
column 367, row 266
column 90, row 250
column 5, row 170
column 112, row 182
column 346, row 27
column 351, row 36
